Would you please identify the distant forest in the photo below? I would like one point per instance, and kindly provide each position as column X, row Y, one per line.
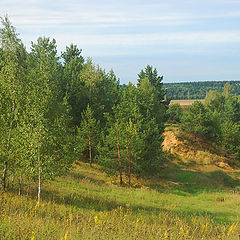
column 197, row 90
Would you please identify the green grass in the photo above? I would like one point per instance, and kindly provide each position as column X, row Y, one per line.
column 86, row 204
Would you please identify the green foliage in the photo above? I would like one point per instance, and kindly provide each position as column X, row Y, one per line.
column 198, row 90
column 86, row 84
column 72, row 85
column 72, row 53
column 153, row 115
column 122, row 144
column 133, row 140
column 12, row 88
column 35, row 133
column 214, row 101
column 196, row 119
column 55, row 110
column 174, row 113
column 88, row 135
column 230, row 136
column 46, row 114
column 135, row 132
column 155, row 80
column 218, row 119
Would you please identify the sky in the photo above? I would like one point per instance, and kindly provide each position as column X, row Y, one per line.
column 186, row 40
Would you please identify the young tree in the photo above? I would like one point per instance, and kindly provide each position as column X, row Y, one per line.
column 174, row 113
column 133, row 145
column 224, row 109
column 112, row 157
column 72, row 53
column 155, row 80
column 214, row 101
column 153, row 115
column 119, row 151
column 102, row 90
column 88, row 134
column 230, row 125
column 128, row 115
column 197, row 120
column 72, row 84
column 46, row 113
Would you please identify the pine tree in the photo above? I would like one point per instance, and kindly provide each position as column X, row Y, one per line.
column 88, row 135
column 155, row 80
column 72, row 84
column 197, row 120
column 153, row 115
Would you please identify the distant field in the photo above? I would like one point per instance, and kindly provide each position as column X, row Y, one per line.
column 185, row 102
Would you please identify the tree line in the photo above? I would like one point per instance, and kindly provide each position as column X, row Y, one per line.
column 197, row 90
column 217, row 119
column 55, row 109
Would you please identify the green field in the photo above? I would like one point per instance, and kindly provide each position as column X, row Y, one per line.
column 87, row 204
column 185, row 102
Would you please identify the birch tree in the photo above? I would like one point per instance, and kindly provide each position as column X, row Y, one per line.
column 12, row 75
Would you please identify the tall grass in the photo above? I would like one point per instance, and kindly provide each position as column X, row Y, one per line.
column 87, row 205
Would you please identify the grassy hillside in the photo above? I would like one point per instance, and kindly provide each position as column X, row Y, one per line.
column 189, row 199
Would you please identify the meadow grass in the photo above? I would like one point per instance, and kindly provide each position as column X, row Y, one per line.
column 87, row 204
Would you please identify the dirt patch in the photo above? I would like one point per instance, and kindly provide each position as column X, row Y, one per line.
column 193, row 152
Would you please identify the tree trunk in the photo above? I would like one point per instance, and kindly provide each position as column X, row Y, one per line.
column 7, row 150
column 39, row 170
column 90, row 151
column 20, row 185
column 28, row 186
column 119, row 162
column 39, row 186
column 5, row 174
column 129, row 167
column 13, row 178
column 129, row 171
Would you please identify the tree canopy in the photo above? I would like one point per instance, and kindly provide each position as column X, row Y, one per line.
column 57, row 109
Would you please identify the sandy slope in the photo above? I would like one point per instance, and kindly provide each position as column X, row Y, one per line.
column 196, row 153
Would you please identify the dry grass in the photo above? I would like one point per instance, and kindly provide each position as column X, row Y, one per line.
column 185, row 103
column 86, row 205
column 56, row 221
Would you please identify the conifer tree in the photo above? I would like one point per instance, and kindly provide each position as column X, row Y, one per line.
column 153, row 114
column 88, row 134
column 72, row 84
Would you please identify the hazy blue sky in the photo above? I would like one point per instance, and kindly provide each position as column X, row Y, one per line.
column 186, row 40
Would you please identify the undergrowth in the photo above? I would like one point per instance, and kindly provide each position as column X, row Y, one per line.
column 87, row 204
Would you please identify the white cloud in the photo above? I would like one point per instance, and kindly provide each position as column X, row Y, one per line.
column 157, row 38
column 27, row 14
column 80, row 22
column 133, row 27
